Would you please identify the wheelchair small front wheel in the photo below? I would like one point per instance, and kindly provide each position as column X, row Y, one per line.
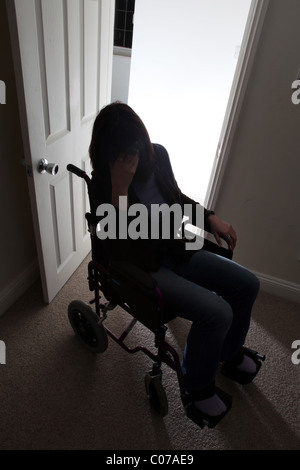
column 156, row 394
column 85, row 323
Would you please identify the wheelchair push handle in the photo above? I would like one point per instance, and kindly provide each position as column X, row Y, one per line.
column 77, row 171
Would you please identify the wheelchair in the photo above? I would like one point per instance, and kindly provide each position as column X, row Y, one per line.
column 115, row 283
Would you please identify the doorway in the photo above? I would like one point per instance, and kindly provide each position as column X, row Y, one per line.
column 186, row 63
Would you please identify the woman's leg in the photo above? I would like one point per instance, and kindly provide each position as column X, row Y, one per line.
column 235, row 284
column 211, row 318
column 217, row 295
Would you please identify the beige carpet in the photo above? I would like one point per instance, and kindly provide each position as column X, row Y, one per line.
column 54, row 394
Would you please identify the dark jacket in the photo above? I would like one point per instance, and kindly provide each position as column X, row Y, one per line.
column 146, row 253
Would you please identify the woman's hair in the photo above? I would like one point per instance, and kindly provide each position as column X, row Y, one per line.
column 118, row 129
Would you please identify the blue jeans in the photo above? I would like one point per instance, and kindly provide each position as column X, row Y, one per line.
column 217, row 296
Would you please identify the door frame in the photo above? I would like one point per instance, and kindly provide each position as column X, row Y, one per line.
column 254, row 25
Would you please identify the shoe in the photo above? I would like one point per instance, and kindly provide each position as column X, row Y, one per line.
column 229, row 369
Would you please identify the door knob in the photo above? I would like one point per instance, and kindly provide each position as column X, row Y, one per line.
column 45, row 167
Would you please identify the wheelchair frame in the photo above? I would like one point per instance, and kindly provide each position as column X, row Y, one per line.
column 89, row 325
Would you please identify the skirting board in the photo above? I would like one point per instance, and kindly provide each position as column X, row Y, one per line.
column 279, row 287
column 18, row 287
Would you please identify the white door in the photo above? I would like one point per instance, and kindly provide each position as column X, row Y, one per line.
column 63, row 58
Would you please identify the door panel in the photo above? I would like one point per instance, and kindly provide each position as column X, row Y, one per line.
column 63, row 219
column 53, row 50
column 90, row 59
column 61, row 50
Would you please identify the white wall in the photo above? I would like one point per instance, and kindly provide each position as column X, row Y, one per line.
column 120, row 76
column 183, row 62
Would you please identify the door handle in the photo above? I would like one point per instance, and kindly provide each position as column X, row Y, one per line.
column 45, row 167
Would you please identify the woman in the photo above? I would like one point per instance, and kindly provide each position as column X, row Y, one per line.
column 214, row 293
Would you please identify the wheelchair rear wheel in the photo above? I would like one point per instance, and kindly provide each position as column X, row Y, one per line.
column 156, row 394
column 85, row 323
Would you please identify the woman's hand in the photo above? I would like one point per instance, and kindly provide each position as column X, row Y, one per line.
column 122, row 172
column 223, row 230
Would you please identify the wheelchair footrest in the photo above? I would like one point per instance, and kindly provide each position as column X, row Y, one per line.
column 231, row 371
column 253, row 354
column 202, row 419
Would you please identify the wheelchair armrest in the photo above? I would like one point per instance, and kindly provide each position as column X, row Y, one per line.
column 132, row 274
column 208, row 244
